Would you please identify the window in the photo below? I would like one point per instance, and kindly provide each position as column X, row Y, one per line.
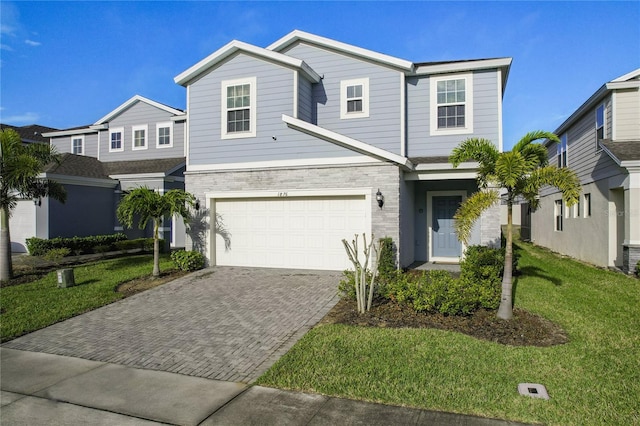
column 451, row 104
column 562, row 152
column 558, row 215
column 576, row 209
column 139, row 137
column 599, row 124
column 164, row 135
column 354, row 98
column 77, row 145
column 115, row 138
column 567, row 211
column 239, row 108
column 587, row 205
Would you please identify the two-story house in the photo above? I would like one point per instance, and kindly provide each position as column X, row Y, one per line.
column 140, row 143
column 600, row 141
column 293, row 147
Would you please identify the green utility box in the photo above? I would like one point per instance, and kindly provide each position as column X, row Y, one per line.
column 66, row 278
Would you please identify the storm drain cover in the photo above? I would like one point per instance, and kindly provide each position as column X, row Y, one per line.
column 533, row 390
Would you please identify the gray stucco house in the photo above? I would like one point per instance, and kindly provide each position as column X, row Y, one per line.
column 601, row 142
column 293, row 147
column 140, row 143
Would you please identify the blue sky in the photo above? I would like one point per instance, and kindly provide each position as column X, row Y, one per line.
column 66, row 64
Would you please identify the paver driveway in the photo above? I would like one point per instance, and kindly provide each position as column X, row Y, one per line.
column 223, row 323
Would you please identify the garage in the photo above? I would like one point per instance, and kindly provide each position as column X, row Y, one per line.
column 303, row 232
column 22, row 225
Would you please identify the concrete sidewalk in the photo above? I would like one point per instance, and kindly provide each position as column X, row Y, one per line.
column 45, row 389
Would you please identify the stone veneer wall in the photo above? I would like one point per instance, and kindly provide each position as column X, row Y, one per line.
column 630, row 258
column 386, row 177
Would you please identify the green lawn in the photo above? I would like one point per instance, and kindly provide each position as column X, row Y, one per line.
column 29, row 307
column 593, row 379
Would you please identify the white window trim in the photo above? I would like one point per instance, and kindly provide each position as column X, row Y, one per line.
column 81, row 137
column 604, row 124
column 558, row 205
column 159, row 126
column 134, row 129
column 468, row 110
column 117, row 130
column 364, row 82
column 252, row 81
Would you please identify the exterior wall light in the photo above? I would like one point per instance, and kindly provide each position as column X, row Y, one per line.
column 37, row 202
column 197, row 205
column 379, row 198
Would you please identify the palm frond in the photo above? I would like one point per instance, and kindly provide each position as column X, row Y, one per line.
column 474, row 149
column 533, row 136
column 471, row 209
column 535, row 155
column 510, row 166
column 563, row 179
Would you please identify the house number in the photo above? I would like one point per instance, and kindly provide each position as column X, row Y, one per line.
column 282, row 194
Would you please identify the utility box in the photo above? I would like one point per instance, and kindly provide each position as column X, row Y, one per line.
column 66, row 278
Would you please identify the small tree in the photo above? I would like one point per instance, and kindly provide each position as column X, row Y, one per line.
column 20, row 167
column 148, row 204
column 362, row 271
column 522, row 172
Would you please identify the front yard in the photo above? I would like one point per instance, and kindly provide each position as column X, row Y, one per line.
column 592, row 379
column 28, row 307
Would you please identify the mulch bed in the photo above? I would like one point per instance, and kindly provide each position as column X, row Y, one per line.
column 525, row 329
column 138, row 285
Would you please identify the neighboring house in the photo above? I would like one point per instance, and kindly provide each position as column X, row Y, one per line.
column 31, row 133
column 140, row 143
column 601, row 142
column 290, row 147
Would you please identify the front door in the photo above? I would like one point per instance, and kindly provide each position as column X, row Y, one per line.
column 444, row 239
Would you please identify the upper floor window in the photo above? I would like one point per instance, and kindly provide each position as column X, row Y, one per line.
column 562, row 151
column 115, row 140
column 239, row 108
column 164, row 135
column 77, row 145
column 600, row 125
column 354, row 98
column 139, row 137
column 451, row 104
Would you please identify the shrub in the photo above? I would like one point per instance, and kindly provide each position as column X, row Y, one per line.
column 638, row 269
column 347, row 285
column 188, row 260
column 128, row 245
column 387, row 266
column 78, row 245
column 56, row 254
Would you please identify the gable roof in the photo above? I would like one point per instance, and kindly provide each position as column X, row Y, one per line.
column 297, row 35
column 627, row 81
column 134, row 100
column 236, row 46
column 33, row 133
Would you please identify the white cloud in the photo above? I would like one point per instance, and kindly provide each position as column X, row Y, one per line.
column 26, row 118
column 32, row 43
column 6, row 47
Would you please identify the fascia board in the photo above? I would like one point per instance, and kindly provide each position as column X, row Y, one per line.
column 130, row 102
column 464, row 66
column 84, row 131
column 616, row 85
column 138, row 176
column 79, row 180
column 296, row 35
column 234, row 46
column 610, row 154
column 588, row 104
column 346, row 141
column 470, row 165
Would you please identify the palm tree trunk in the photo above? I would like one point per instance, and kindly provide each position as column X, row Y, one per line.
column 156, row 249
column 6, row 266
column 505, row 311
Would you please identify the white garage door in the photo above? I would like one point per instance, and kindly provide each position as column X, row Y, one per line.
column 292, row 232
column 22, row 225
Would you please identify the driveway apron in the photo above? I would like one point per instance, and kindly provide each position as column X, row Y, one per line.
column 222, row 323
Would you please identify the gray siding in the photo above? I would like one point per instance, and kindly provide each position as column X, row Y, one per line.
column 142, row 114
column 63, row 144
column 628, row 114
column 274, row 98
column 590, row 164
column 486, row 116
column 382, row 127
column 87, row 211
column 305, row 99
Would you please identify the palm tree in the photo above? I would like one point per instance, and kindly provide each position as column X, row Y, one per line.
column 148, row 204
column 522, row 172
column 20, row 166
